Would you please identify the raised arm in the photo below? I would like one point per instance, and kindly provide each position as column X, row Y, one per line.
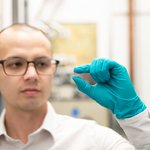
column 115, row 91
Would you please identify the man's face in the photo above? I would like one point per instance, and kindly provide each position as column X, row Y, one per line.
column 29, row 91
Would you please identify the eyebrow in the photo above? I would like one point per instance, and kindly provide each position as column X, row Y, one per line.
column 25, row 58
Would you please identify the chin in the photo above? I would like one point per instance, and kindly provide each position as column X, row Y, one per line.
column 33, row 106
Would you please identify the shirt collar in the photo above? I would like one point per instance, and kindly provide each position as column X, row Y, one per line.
column 49, row 123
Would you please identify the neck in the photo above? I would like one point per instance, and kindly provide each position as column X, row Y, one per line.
column 20, row 125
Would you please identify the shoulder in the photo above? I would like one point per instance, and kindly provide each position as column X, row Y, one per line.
column 88, row 132
column 89, row 128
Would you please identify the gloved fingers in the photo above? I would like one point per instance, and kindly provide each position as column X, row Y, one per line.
column 82, row 69
column 102, row 70
column 82, row 85
column 116, row 69
column 99, row 70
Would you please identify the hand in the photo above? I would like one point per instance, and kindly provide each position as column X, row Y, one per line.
column 113, row 89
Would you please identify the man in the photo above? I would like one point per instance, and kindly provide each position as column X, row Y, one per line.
column 28, row 121
column 114, row 90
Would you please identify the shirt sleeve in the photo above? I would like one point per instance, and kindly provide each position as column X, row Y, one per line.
column 137, row 129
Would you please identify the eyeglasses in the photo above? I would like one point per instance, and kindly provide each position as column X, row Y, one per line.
column 17, row 66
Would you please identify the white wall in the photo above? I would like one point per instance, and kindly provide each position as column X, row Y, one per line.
column 6, row 13
column 78, row 11
column 120, row 33
column 142, row 49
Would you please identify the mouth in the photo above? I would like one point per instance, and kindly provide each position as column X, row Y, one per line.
column 31, row 91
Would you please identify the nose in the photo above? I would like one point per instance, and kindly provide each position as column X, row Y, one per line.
column 31, row 73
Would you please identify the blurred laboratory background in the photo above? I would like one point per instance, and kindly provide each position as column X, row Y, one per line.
column 81, row 30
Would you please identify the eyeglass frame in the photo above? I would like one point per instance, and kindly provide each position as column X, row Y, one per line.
column 27, row 65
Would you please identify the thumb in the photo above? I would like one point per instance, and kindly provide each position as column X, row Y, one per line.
column 82, row 85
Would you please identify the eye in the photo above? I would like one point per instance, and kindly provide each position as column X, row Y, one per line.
column 14, row 63
column 43, row 63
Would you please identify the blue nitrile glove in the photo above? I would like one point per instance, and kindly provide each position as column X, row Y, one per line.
column 113, row 89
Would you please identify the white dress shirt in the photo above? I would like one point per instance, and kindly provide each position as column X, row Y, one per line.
column 59, row 132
